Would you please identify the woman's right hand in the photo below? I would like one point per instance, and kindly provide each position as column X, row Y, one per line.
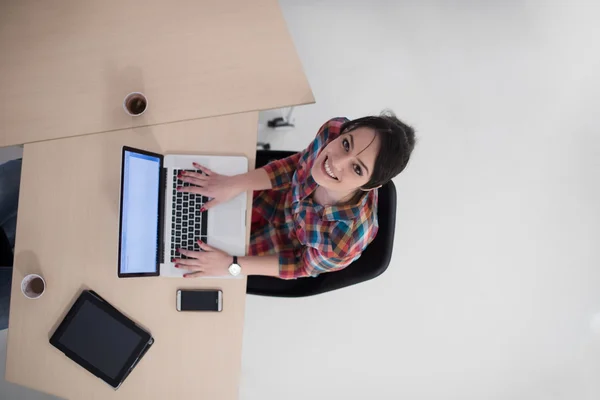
column 220, row 188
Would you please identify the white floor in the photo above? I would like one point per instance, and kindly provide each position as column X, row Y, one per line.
column 494, row 288
column 10, row 153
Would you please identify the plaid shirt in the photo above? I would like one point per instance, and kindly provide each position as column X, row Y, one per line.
column 310, row 238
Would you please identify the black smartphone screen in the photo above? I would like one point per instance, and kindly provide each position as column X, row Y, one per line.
column 200, row 300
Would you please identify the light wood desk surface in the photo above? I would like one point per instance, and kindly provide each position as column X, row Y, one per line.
column 67, row 65
column 68, row 227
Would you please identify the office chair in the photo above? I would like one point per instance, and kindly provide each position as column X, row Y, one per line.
column 6, row 262
column 6, row 253
column 372, row 263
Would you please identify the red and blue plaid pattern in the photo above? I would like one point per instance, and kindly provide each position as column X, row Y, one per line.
column 309, row 238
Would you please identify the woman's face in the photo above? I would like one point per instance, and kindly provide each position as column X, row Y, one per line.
column 346, row 163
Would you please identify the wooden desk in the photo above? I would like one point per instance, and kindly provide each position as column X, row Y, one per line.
column 67, row 231
column 67, row 65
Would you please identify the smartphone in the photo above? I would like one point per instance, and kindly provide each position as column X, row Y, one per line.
column 199, row 300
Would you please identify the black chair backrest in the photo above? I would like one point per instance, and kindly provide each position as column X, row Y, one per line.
column 372, row 263
column 6, row 253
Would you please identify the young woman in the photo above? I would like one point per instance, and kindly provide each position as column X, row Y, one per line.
column 315, row 211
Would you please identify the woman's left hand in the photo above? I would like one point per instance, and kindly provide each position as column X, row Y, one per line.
column 209, row 262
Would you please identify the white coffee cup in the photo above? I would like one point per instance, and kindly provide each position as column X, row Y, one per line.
column 33, row 286
column 135, row 104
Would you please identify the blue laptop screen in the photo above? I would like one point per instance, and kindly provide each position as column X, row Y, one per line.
column 139, row 213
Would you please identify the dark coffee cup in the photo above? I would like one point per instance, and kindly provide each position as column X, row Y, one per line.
column 135, row 104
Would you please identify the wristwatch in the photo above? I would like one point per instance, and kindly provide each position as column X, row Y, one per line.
column 235, row 269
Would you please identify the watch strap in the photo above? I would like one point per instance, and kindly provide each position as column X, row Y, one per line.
column 235, row 260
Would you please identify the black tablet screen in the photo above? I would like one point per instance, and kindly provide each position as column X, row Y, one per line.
column 99, row 339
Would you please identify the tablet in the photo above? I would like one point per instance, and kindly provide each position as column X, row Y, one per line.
column 99, row 338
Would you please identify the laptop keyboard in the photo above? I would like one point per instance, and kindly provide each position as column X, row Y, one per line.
column 188, row 224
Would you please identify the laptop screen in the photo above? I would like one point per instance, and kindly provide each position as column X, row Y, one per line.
column 139, row 213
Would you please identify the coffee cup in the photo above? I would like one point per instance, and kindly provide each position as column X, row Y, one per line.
column 135, row 104
column 33, row 286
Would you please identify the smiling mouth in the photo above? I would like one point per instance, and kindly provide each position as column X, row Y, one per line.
column 328, row 169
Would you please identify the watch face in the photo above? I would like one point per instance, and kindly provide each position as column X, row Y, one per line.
column 235, row 269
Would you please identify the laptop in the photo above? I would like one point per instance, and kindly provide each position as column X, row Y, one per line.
column 156, row 219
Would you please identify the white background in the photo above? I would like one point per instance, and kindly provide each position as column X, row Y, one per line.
column 495, row 278
column 496, row 269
